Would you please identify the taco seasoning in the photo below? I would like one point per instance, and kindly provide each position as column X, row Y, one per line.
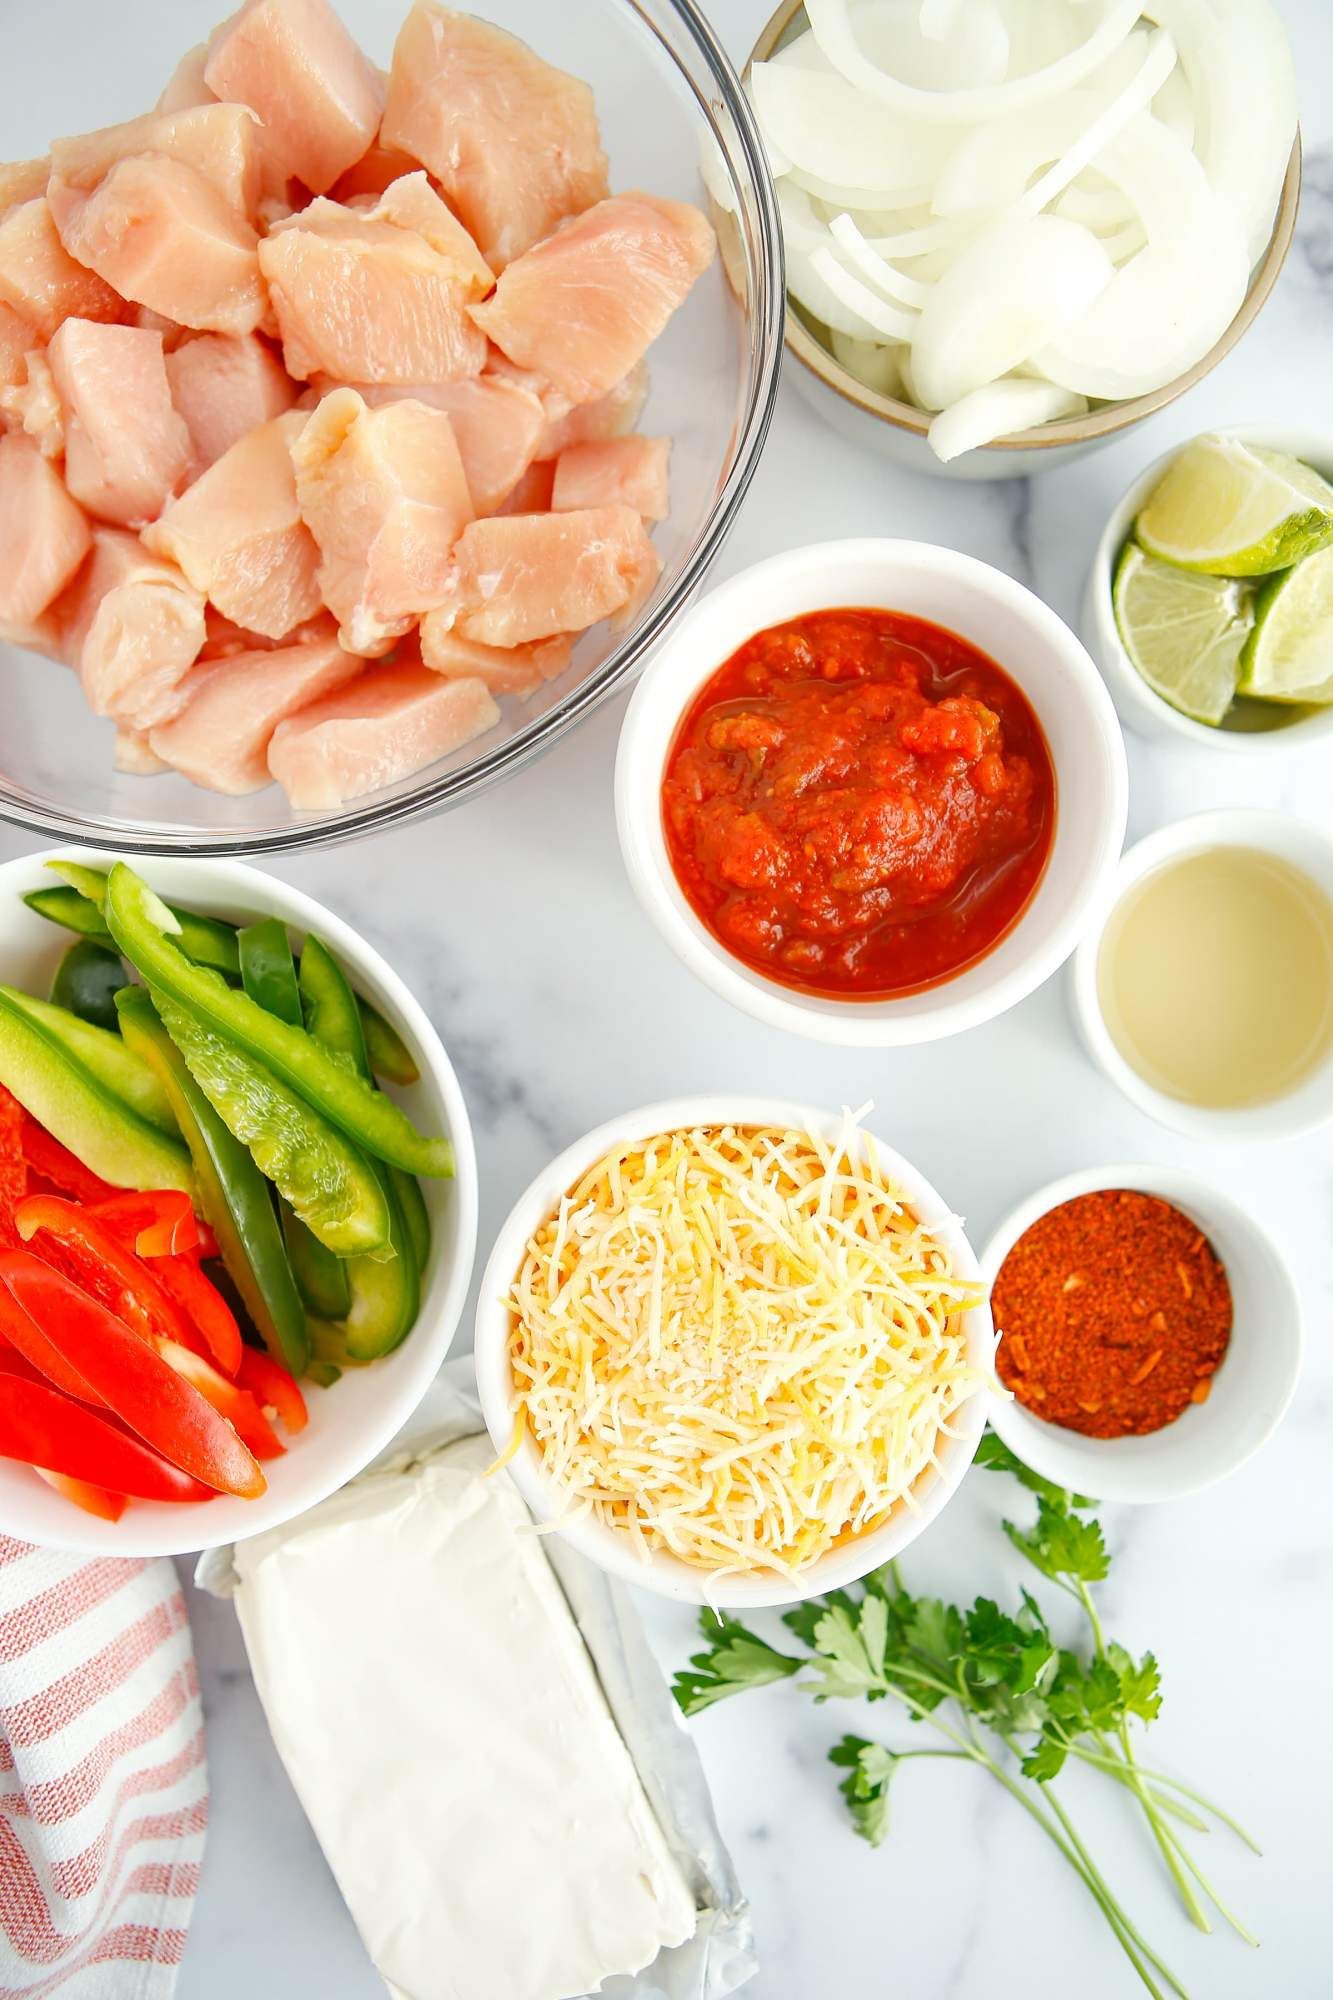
column 1115, row 1314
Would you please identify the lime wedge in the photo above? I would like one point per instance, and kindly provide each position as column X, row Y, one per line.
column 1183, row 632
column 1234, row 509
column 1289, row 654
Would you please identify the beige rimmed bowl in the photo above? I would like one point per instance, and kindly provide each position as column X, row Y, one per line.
column 898, row 429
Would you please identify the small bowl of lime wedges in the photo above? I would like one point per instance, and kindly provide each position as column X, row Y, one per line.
column 1210, row 600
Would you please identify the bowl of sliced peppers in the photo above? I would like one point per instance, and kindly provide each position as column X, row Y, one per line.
column 238, row 1203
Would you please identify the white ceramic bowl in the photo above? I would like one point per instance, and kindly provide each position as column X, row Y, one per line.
column 1304, row 847
column 1251, row 1389
column 612, row 1552
column 1025, row 637
column 351, row 1423
column 1253, row 729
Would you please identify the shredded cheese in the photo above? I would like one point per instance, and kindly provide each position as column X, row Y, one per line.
column 739, row 1345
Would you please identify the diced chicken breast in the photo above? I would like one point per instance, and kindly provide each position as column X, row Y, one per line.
column 609, row 416
column 497, row 426
column 628, row 469
column 22, row 180
column 185, row 87
column 232, row 706
column 135, row 756
column 521, row 577
column 151, row 322
column 224, row 385
column 391, row 722
column 224, row 638
column 126, row 448
column 512, row 141
column 363, row 295
column 44, row 636
column 44, row 536
column 294, row 63
column 17, row 340
column 163, row 236
column 505, row 669
column 132, row 627
column 40, row 280
column 378, row 168
column 581, row 308
column 239, row 537
column 33, row 406
column 220, row 141
column 384, row 494
column 532, row 494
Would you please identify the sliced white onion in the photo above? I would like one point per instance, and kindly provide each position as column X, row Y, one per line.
column 938, row 19
column 872, row 364
column 860, row 199
column 873, row 268
column 1243, row 82
column 823, row 126
column 891, row 321
column 831, row 23
column 1157, row 66
column 1167, row 306
column 971, row 50
column 1097, row 208
column 1174, row 105
column 1014, row 289
column 999, row 410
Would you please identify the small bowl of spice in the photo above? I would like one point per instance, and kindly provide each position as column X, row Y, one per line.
column 1150, row 1333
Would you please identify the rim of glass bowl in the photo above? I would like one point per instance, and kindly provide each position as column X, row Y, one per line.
column 761, row 237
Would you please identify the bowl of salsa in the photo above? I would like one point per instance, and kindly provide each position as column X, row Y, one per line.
column 870, row 791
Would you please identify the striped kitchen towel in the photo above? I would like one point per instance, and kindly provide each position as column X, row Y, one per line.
column 103, row 1785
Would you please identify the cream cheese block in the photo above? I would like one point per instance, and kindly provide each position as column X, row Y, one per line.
column 441, row 1720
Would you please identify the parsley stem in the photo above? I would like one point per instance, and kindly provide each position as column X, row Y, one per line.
column 1127, row 1932
column 1167, row 1845
column 1165, row 1778
column 1114, row 1768
column 1237, row 1926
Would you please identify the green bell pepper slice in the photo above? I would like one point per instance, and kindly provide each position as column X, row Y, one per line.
column 104, row 1056
column 387, row 1052
column 268, row 970
column 321, row 1278
column 71, row 910
column 142, row 927
column 205, row 940
column 329, row 1183
column 98, row 1128
column 233, row 1195
column 87, row 980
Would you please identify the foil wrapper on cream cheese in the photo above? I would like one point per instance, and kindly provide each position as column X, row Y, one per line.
column 485, row 1750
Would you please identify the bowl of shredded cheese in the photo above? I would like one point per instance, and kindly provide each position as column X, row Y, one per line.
column 734, row 1350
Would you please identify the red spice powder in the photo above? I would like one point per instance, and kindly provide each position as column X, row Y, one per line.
column 1115, row 1312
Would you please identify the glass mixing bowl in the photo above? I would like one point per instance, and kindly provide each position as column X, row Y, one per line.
column 671, row 109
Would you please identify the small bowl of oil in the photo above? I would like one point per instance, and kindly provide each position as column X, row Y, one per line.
column 1204, row 983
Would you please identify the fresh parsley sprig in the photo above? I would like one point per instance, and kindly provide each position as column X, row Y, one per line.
column 997, row 1690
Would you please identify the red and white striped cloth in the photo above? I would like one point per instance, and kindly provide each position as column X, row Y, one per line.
column 103, row 1784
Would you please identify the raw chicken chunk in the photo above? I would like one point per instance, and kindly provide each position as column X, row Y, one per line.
column 628, row 469
column 224, row 638
column 17, row 339
column 528, row 576
column 532, row 494
column 40, row 280
column 43, row 535
column 132, row 627
column 126, row 449
column 135, row 756
column 581, row 308
column 33, row 406
column 391, row 722
column 512, row 141
column 22, row 180
column 163, row 236
column 497, row 426
column 232, row 706
column 294, row 63
column 505, row 669
column 384, row 494
column 377, row 294
column 220, row 141
column 224, row 385
column 238, row 534
column 610, row 416
column 377, row 169
column 185, row 87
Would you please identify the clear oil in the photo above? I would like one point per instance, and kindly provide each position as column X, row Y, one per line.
column 1215, row 977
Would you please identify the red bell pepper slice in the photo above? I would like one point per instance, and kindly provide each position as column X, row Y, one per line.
column 204, row 1306
column 97, row 1500
column 161, row 1224
column 13, row 1166
column 25, row 1349
column 238, row 1406
column 42, row 1428
column 55, row 1163
column 73, row 1241
column 132, row 1377
column 272, row 1387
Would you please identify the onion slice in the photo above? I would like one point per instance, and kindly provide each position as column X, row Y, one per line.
column 867, row 260
column 1157, row 66
column 999, row 410
column 874, row 366
column 819, row 123
column 890, row 321
column 831, row 24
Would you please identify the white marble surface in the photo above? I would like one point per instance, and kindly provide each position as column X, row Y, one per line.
column 514, row 923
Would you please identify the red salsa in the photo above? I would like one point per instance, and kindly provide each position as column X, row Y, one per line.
column 859, row 803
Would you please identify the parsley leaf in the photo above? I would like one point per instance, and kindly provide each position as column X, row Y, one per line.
column 850, row 1651
column 870, row 1769
column 738, row 1659
column 1061, row 1545
column 993, row 1455
column 1140, row 1684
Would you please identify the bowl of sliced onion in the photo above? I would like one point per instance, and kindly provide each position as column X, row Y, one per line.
column 1015, row 228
